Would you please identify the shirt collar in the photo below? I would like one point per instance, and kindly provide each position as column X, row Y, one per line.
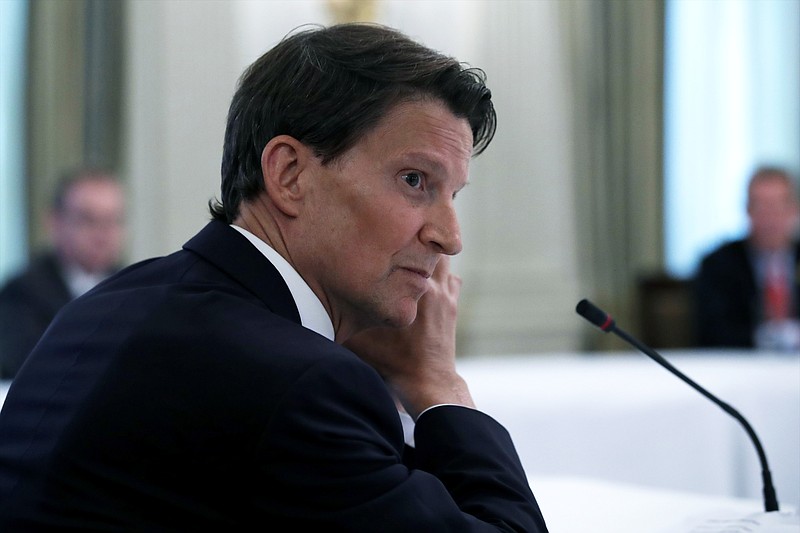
column 79, row 281
column 312, row 313
column 763, row 259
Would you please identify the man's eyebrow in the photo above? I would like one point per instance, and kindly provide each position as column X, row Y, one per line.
column 422, row 158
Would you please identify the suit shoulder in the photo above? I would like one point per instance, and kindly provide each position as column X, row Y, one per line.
column 40, row 283
column 728, row 251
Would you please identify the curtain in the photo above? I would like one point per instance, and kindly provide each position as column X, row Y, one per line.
column 73, row 95
column 617, row 62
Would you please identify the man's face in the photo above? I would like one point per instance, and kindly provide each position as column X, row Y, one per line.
column 773, row 213
column 378, row 219
column 88, row 231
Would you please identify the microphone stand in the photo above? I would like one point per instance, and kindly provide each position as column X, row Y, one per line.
column 604, row 321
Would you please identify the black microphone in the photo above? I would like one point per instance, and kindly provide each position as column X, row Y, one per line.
column 603, row 320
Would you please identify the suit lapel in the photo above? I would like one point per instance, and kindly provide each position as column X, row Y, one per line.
column 231, row 252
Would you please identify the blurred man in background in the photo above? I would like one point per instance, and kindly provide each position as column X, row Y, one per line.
column 85, row 226
column 747, row 291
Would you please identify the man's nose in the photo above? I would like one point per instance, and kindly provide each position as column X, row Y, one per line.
column 442, row 230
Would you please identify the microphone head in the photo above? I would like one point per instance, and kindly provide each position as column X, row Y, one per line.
column 595, row 315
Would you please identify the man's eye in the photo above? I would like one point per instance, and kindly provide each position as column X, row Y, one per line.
column 414, row 179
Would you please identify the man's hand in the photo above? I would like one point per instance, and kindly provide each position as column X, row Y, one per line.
column 418, row 361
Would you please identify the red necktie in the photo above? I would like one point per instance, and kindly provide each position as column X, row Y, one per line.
column 776, row 293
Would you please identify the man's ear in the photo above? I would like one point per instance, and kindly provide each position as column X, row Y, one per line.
column 283, row 161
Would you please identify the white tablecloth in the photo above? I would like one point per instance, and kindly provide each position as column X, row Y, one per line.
column 624, row 418
column 576, row 505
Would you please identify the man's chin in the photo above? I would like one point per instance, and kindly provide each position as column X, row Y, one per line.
column 401, row 319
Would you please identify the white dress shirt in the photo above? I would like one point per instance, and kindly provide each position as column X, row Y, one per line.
column 312, row 313
column 79, row 281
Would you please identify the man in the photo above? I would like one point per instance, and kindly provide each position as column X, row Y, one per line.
column 85, row 225
column 211, row 389
column 747, row 291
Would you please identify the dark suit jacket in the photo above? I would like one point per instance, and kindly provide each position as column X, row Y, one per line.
column 727, row 300
column 28, row 303
column 183, row 394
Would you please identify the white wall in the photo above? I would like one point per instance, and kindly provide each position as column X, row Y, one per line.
column 518, row 265
column 181, row 74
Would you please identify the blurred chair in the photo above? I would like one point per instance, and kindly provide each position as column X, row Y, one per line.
column 665, row 311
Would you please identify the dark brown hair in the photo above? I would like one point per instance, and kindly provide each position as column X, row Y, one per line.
column 327, row 87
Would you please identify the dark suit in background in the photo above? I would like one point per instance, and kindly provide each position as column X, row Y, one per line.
column 28, row 303
column 243, row 418
column 728, row 302
column 85, row 227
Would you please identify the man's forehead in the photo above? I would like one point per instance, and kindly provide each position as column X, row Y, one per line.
column 431, row 116
column 94, row 191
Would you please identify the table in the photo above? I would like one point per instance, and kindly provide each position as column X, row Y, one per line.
column 581, row 505
column 621, row 417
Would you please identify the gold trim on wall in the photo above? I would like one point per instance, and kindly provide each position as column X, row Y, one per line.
column 352, row 10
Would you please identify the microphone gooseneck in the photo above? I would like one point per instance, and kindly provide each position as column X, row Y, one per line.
column 603, row 320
